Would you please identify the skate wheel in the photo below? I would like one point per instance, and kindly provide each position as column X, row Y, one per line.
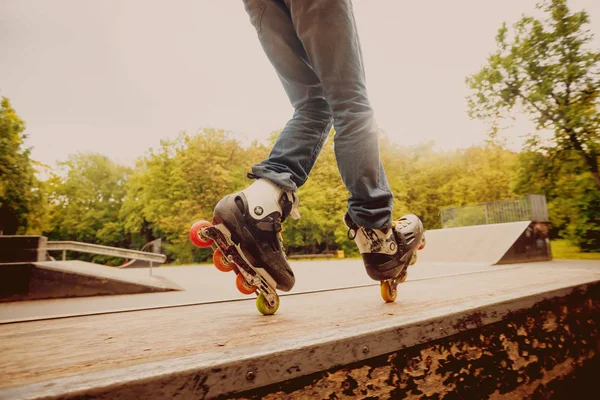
column 243, row 286
column 220, row 263
column 422, row 245
column 387, row 294
column 196, row 234
column 413, row 259
column 263, row 305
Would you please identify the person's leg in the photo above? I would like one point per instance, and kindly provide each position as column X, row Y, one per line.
column 328, row 33
column 254, row 215
column 297, row 147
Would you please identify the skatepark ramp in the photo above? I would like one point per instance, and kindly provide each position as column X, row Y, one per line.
column 492, row 244
column 524, row 331
column 25, row 273
column 65, row 279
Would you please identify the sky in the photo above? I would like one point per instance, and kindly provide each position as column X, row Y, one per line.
column 117, row 76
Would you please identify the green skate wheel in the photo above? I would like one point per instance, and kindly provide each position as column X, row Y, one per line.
column 263, row 305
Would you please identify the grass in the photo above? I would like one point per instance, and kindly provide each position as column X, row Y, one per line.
column 564, row 250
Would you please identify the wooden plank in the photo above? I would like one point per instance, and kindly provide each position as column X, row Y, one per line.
column 116, row 350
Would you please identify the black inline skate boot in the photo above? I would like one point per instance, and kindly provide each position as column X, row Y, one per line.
column 246, row 238
column 254, row 217
column 387, row 253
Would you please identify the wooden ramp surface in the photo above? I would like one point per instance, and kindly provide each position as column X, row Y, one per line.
column 230, row 345
column 205, row 284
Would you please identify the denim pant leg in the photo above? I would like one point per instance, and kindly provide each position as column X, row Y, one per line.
column 314, row 47
column 299, row 144
column 327, row 30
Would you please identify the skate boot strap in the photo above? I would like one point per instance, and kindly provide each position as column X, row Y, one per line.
column 294, row 200
column 400, row 238
column 289, row 205
column 269, row 225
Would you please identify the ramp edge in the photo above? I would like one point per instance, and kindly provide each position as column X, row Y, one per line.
column 209, row 377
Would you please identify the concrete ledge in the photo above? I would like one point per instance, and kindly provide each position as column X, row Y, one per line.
column 19, row 248
column 218, row 350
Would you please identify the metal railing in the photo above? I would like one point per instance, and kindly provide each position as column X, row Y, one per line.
column 530, row 208
column 105, row 251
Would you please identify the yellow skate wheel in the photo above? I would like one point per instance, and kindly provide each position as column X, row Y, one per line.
column 263, row 305
column 387, row 294
column 220, row 263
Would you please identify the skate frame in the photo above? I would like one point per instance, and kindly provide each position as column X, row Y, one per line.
column 233, row 254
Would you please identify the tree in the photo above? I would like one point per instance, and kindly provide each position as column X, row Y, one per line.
column 546, row 69
column 181, row 182
column 21, row 197
column 424, row 181
column 574, row 204
column 85, row 200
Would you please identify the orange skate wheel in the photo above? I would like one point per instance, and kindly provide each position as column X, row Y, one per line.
column 243, row 286
column 196, row 234
column 386, row 292
column 422, row 245
column 220, row 262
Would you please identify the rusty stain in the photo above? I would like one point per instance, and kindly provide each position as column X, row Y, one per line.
column 550, row 324
column 511, row 359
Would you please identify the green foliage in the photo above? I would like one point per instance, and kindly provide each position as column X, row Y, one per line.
column 85, row 199
column 180, row 183
column 573, row 201
column 95, row 200
column 424, row 181
column 565, row 250
column 322, row 206
column 546, row 69
column 22, row 199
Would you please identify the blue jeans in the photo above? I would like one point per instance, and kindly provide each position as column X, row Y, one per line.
column 315, row 49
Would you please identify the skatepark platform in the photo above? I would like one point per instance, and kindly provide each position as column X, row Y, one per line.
column 517, row 329
column 469, row 328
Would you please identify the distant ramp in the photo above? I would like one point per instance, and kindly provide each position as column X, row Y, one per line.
column 62, row 279
column 491, row 244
